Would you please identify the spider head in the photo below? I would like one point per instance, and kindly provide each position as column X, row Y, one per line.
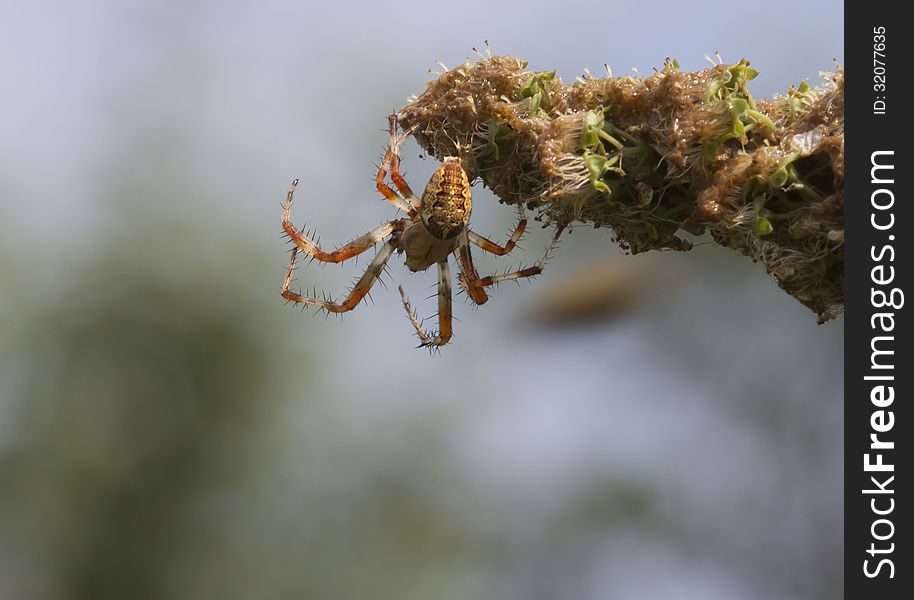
column 446, row 203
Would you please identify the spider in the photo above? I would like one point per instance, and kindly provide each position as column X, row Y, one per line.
column 436, row 227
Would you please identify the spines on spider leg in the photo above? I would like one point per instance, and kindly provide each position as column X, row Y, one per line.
column 468, row 271
column 550, row 249
column 520, row 273
column 445, row 302
column 304, row 240
column 356, row 294
column 432, row 340
column 413, row 316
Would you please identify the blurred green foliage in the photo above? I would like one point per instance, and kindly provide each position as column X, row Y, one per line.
column 136, row 395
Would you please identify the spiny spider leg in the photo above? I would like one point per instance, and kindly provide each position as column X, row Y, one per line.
column 469, row 285
column 445, row 315
column 468, row 270
column 408, row 203
column 490, row 246
column 361, row 288
column 395, row 176
column 345, row 252
column 391, row 195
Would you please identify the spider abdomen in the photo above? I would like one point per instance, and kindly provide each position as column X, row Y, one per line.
column 422, row 248
column 446, row 202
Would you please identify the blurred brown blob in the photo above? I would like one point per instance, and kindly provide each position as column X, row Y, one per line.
column 603, row 291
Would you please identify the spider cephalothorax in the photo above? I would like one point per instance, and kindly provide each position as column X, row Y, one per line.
column 437, row 225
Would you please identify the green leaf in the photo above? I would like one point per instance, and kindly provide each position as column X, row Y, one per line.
column 597, row 165
column 600, row 186
column 593, row 123
column 534, row 89
column 786, row 173
column 761, row 118
column 593, row 120
column 713, row 90
column 762, row 227
column 534, row 84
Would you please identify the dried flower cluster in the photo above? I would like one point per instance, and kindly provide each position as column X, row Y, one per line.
column 654, row 157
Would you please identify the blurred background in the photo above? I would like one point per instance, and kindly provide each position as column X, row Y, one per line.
column 659, row 426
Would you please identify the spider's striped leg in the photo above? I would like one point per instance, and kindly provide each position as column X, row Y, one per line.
column 445, row 314
column 470, row 284
column 490, row 246
column 395, row 176
column 345, row 252
column 468, row 270
column 391, row 195
column 408, row 202
column 361, row 288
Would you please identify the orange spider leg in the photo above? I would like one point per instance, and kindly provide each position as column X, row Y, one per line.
column 408, row 202
column 345, row 252
column 470, row 284
column 445, row 315
column 468, row 271
column 391, row 195
column 359, row 291
column 490, row 246
column 395, row 175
